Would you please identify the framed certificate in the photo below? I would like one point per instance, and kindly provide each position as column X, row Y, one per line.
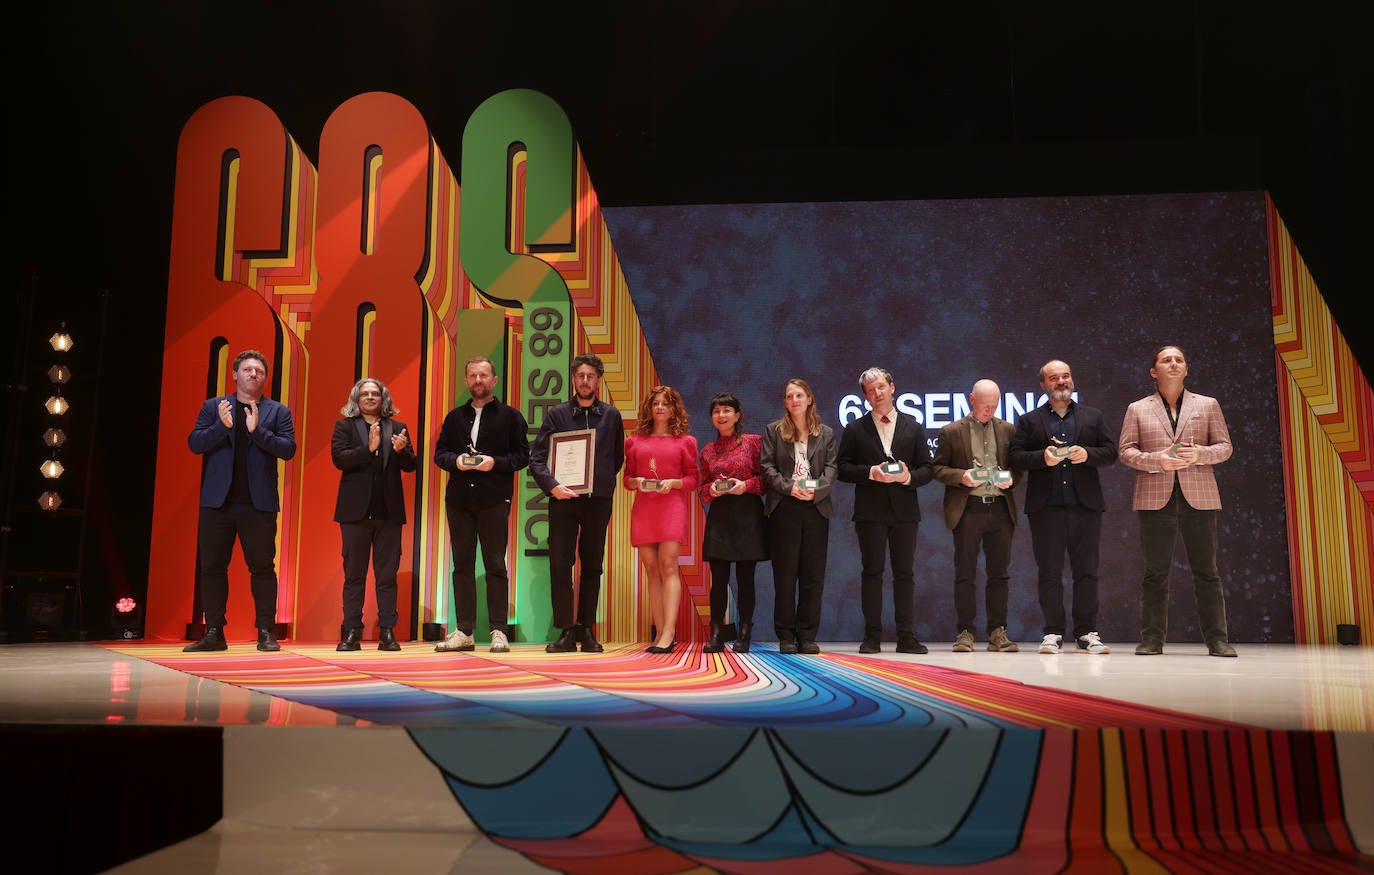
column 573, row 454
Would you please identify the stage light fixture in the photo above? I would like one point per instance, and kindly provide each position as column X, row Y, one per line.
column 57, row 405
column 54, row 437
column 52, row 469
column 61, row 341
column 126, row 619
column 50, row 501
column 59, row 374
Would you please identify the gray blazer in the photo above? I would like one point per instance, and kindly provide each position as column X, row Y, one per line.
column 779, row 461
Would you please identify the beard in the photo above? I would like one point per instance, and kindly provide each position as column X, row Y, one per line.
column 1062, row 394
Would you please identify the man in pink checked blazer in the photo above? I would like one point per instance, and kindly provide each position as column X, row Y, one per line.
column 1173, row 438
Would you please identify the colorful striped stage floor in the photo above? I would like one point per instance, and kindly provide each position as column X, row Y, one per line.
column 627, row 762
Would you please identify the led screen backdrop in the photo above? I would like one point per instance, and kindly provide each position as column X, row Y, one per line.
column 942, row 293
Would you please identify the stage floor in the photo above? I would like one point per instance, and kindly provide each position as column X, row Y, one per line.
column 287, row 800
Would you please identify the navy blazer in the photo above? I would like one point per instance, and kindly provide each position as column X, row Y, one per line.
column 273, row 439
column 861, row 449
column 1028, row 454
column 348, row 449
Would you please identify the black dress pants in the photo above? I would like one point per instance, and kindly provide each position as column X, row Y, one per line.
column 467, row 527
column 985, row 528
column 1056, row 529
column 256, row 531
column 577, row 533
column 379, row 540
column 1159, row 531
column 798, row 543
column 877, row 542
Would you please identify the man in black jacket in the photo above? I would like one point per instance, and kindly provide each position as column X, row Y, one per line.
column 1062, row 444
column 481, row 444
column 886, row 457
column 578, row 519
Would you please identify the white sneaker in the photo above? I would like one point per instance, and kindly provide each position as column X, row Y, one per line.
column 1092, row 643
column 456, row 640
column 1051, row 643
column 499, row 644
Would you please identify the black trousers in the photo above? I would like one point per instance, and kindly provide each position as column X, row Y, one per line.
column 467, row 527
column 985, row 528
column 798, row 544
column 379, row 540
column 720, row 590
column 1078, row 531
column 1159, row 531
column 877, row 542
column 577, row 533
column 256, row 531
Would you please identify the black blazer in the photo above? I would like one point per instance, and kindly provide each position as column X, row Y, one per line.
column 861, row 449
column 503, row 434
column 1028, row 454
column 348, row 448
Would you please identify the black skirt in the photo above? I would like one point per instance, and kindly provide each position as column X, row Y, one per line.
column 734, row 530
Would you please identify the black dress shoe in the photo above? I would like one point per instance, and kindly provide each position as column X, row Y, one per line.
column 1149, row 648
column 870, row 645
column 787, row 647
column 654, row 648
column 717, row 641
column 566, row 643
column 742, row 637
column 808, row 647
column 589, row 642
column 349, row 640
column 386, row 640
column 267, row 642
column 213, row 639
column 1220, row 648
column 909, row 644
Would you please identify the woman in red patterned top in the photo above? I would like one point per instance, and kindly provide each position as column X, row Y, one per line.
column 732, row 490
column 661, row 467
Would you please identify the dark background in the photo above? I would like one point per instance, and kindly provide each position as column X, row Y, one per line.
column 744, row 297
column 725, row 103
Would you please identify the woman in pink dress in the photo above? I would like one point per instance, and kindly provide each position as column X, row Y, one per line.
column 661, row 467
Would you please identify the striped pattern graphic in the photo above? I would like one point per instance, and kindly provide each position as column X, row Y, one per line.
column 1327, row 421
column 829, row 764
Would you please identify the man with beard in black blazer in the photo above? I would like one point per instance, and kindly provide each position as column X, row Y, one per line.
column 885, row 456
column 1061, row 444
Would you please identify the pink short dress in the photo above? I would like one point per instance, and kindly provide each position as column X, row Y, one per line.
column 656, row 517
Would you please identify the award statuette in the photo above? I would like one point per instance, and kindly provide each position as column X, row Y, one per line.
column 1178, row 445
column 808, row 482
column 651, row 484
column 892, row 466
column 999, row 476
column 470, row 459
column 1059, row 450
column 725, row 484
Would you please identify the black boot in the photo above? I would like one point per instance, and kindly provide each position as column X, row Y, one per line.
column 348, row 639
column 717, row 642
column 386, row 640
column 588, row 638
column 213, row 639
column 566, row 643
column 267, row 641
column 741, row 644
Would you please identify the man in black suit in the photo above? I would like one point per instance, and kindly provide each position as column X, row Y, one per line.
column 980, row 512
column 885, row 456
column 1062, row 444
column 241, row 437
column 370, row 449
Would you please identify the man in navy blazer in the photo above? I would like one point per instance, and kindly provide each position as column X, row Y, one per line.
column 1062, row 444
column 885, row 456
column 241, row 437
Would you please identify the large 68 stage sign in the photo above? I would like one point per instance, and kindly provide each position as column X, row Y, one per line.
column 380, row 264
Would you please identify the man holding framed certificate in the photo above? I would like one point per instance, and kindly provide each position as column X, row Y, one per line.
column 576, row 456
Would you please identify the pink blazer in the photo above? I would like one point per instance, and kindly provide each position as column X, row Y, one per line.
column 1146, row 436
